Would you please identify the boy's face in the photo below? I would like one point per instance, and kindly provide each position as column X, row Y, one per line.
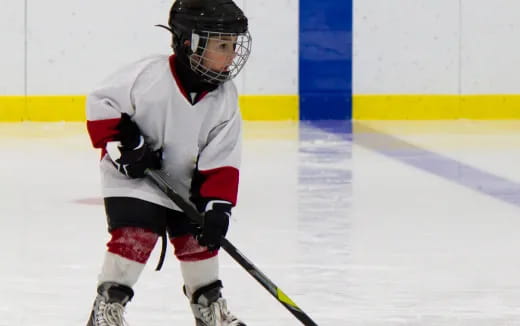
column 219, row 53
column 220, row 57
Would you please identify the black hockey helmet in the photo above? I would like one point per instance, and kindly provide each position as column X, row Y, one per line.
column 222, row 16
column 198, row 21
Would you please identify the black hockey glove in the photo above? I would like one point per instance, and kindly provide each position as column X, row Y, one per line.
column 129, row 153
column 215, row 224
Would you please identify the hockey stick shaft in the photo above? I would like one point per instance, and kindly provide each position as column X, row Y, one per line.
column 195, row 216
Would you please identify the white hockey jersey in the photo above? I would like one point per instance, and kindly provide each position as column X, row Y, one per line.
column 201, row 143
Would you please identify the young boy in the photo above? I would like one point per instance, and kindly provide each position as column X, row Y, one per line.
column 178, row 114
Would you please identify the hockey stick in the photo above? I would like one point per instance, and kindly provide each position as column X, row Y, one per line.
column 195, row 216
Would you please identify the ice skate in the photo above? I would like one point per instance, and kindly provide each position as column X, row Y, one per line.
column 109, row 305
column 210, row 309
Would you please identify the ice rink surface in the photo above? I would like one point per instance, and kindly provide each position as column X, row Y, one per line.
column 370, row 223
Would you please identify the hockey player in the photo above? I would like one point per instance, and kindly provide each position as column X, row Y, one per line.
column 179, row 114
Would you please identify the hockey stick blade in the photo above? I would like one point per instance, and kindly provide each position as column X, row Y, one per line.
column 195, row 216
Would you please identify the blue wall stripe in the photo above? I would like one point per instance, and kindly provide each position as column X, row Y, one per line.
column 325, row 59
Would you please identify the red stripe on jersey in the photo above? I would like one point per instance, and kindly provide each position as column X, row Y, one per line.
column 187, row 248
column 102, row 131
column 177, row 80
column 220, row 183
column 202, row 95
column 179, row 84
column 132, row 243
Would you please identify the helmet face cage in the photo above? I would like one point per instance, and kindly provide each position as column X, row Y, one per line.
column 232, row 59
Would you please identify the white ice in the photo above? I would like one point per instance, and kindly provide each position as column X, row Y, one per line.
column 347, row 228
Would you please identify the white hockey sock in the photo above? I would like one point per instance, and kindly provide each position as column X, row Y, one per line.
column 120, row 270
column 199, row 273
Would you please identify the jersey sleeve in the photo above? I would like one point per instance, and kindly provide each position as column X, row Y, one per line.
column 217, row 174
column 106, row 104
